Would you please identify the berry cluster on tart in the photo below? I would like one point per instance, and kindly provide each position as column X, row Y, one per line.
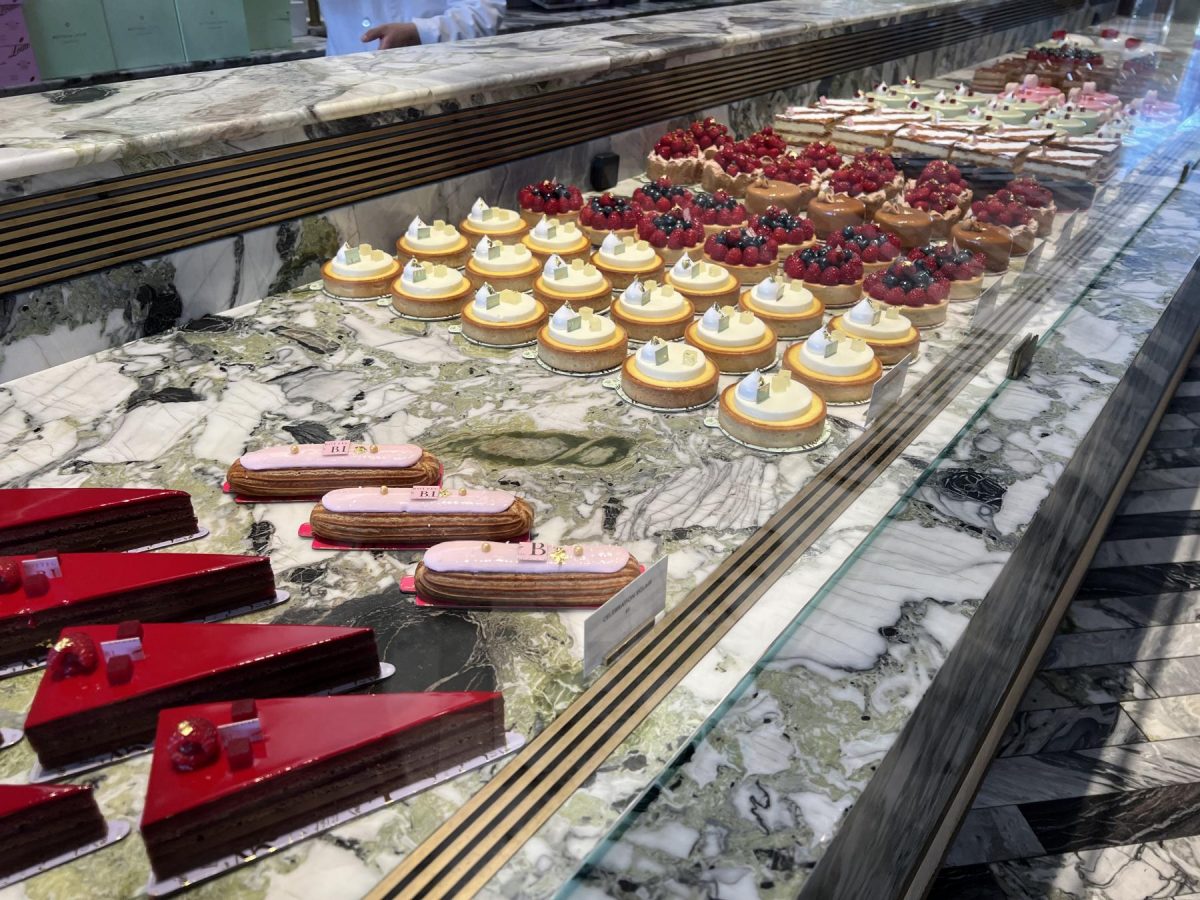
column 868, row 182
column 717, row 211
column 876, row 247
column 941, row 202
column 678, row 154
column 1005, row 210
column 671, row 233
column 790, row 232
column 747, row 255
column 833, row 274
column 964, row 268
column 1039, row 200
column 550, row 198
column 921, row 295
column 822, row 156
column 734, row 166
column 947, row 175
column 661, row 194
column 607, row 213
column 881, row 165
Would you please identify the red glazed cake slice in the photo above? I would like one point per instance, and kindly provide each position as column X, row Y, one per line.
column 114, row 587
column 40, row 822
column 34, row 519
column 287, row 763
column 105, row 684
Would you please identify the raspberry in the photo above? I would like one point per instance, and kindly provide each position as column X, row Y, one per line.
column 917, row 297
column 829, row 277
column 72, row 654
column 718, row 252
column 734, row 256
column 938, row 291
column 870, row 254
column 849, row 273
column 750, row 256
column 675, row 241
column 894, row 296
column 628, row 219
column 812, row 273
column 194, row 744
column 793, row 267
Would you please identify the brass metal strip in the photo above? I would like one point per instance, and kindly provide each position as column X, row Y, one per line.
column 66, row 233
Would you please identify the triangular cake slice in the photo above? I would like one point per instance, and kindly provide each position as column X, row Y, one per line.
column 114, row 587
column 229, row 776
column 40, row 822
column 79, row 519
column 105, row 684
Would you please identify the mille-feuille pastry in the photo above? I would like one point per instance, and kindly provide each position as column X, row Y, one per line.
column 419, row 515
column 429, row 291
column 836, row 368
column 736, row 341
column 786, row 305
column 502, row 318
column 669, row 376
column 497, row 223
column 773, row 411
column 646, row 309
column 885, row 330
column 509, row 267
column 704, row 284
column 305, row 470
column 359, row 272
column 622, row 259
column 582, row 342
column 553, row 237
column 530, row 574
column 578, row 283
column 436, row 243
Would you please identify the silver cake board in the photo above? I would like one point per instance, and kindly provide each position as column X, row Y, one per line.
column 10, row 736
column 457, row 329
column 29, row 665
column 374, row 299
column 826, row 433
column 166, row 886
column 117, row 830
column 615, row 385
column 40, row 775
column 202, row 533
column 533, row 355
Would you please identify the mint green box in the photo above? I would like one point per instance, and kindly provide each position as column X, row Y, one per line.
column 69, row 37
column 269, row 24
column 213, row 29
column 144, row 33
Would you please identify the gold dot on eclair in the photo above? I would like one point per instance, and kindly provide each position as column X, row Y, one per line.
column 578, row 549
column 295, row 448
column 485, row 547
column 374, row 448
column 462, row 492
column 383, row 489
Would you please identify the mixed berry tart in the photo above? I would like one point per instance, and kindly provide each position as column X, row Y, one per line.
column 675, row 156
column 1038, row 199
column 886, row 331
column 992, row 242
column 789, row 181
column 672, row 234
column 833, row 274
column 912, row 227
column 662, row 194
column 1006, row 211
column 876, row 247
column 550, row 198
column 964, row 268
column 941, row 202
column 747, row 255
column 790, row 232
column 607, row 214
column 717, row 211
column 830, row 212
column 921, row 295
column 822, row 156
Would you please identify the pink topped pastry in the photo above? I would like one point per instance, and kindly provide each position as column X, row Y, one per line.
column 307, row 470
column 528, row 574
column 419, row 515
column 1090, row 98
column 1046, row 94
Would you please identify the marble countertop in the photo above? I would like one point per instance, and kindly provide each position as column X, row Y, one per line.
column 58, row 130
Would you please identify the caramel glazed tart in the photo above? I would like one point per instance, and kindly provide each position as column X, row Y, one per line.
column 422, row 528
column 503, row 589
column 300, row 482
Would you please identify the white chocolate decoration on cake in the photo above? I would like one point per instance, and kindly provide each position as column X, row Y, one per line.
column 626, row 253
column 575, row 277
column 651, row 300
column 429, row 280
column 494, row 218
column 580, row 329
column 777, row 398
column 432, row 500
column 530, row 558
column 674, row 361
column 438, row 236
column 872, row 320
column 363, row 261
column 332, row 455
column 493, row 256
column 551, row 234
column 491, row 305
column 828, row 354
column 700, row 276
column 784, row 296
column 727, row 327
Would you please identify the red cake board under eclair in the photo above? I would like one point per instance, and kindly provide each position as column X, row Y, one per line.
column 305, row 531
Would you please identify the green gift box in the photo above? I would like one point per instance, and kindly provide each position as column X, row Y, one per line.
column 269, row 24
column 144, row 32
column 213, row 29
column 69, row 37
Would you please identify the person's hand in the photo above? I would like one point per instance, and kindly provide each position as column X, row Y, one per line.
column 393, row 34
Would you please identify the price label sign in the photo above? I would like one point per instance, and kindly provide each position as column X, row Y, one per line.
column 425, row 492
column 887, row 390
column 631, row 610
column 336, row 448
column 46, row 565
column 531, row 551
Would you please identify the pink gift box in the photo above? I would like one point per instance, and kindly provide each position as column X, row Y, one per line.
column 17, row 65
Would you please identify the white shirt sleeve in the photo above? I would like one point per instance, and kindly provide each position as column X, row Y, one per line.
column 462, row 19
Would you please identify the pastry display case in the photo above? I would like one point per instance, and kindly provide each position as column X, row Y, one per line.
column 668, row 460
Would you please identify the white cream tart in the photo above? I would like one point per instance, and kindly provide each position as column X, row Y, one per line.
column 504, row 266
column 624, row 259
column 551, row 237
column 772, row 411
column 887, row 332
column 669, row 376
column 439, row 242
column 359, row 272
column 837, row 368
column 576, row 282
column 506, row 318
column 736, row 341
column 786, row 305
column 705, row 284
column 429, row 290
column 649, row 309
column 493, row 221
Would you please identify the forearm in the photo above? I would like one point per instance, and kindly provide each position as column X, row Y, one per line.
column 463, row 19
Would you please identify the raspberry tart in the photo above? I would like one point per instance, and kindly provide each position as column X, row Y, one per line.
column 890, row 335
column 662, row 195
column 710, row 135
column 991, row 242
column 786, row 305
column 964, row 268
column 941, row 202
column 747, row 255
column 669, row 376
column 736, row 341
column 672, row 234
column 833, row 274
column 621, row 260
column 920, row 295
column 550, row 198
column 823, row 157
column 865, row 182
column 429, row 291
column 436, row 243
column 836, row 368
column 650, row 309
column 876, row 247
column 704, row 284
column 506, row 267
column 1004, row 210
column 717, row 211
column 948, row 176
column 912, row 227
column 360, row 272
column 553, row 237
column 789, row 231
column 775, row 411
column 609, row 214
column 581, row 342
column 879, row 166
column 577, row 282
column 731, row 169
column 675, row 157
column 493, row 221
column 502, row 318
column 830, row 212
column 1037, row 199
